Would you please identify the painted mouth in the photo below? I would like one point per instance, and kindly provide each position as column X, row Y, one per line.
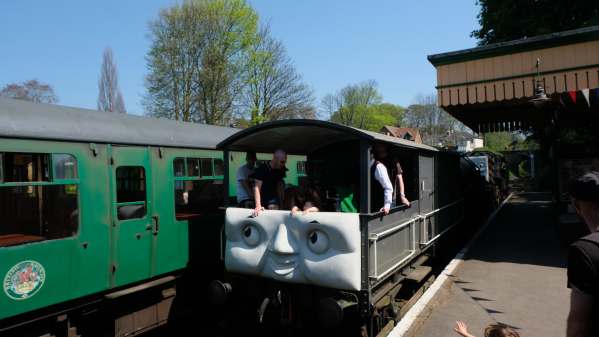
column 282, row 265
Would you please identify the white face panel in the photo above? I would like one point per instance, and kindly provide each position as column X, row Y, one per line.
column 317, row 248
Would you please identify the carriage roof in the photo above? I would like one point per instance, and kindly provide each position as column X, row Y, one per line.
column 21, row 119
column 301, row 136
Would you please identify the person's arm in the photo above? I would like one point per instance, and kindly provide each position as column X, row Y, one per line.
column 402, row 194
column 381, row 175
column 257, row 200
column 462, row 329
column 579, row 318
column 581, row 279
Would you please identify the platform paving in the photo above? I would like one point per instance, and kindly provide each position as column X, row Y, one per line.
column 514, row 273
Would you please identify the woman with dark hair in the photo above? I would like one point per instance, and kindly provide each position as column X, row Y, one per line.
column 298, row 199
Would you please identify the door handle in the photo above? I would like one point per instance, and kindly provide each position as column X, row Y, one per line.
column 156, row 224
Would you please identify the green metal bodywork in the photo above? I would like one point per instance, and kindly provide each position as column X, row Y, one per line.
column 108, row 253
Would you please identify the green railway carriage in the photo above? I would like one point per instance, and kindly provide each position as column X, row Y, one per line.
column 95, row 207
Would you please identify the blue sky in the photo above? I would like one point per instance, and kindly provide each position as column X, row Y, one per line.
column 332, row 43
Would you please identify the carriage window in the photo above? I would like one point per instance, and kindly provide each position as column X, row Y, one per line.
column 200, row 190
column 193, row 167
column 65, row 166
column 302, row 177
column 131, row 192
column 179, row 167
column 42, row 210
column 206, row 167
column 219, row 167
column 25, row 167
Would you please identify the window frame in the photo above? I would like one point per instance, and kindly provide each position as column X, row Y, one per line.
column 130, row 203
column 182, row 179
column 187, row 177
column 52, row 181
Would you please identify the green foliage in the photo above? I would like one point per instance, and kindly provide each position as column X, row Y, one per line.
column 505, row 20
column 360, row 105
column 372, row 117
column 507, row 141
column 197, row 58
column 498, row 141
column 383, row 114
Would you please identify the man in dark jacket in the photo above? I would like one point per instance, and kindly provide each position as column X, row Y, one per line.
column 583, row 260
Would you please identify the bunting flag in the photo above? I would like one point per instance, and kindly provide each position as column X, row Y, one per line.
column 585, row 94
column 572, row 95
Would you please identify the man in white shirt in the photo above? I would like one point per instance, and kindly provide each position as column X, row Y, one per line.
column 384, row 187
column 380, row 168
column 244, row 182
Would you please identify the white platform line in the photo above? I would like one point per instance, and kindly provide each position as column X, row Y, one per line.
column 410, row 317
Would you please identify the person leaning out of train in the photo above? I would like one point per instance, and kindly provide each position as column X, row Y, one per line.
column 394, row 170
column 384, row 186
column 583, row 260
column 245, row 193
column 269, row 185
column 382, row 168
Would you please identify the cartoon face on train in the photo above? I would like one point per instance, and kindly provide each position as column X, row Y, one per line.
column 320, row 249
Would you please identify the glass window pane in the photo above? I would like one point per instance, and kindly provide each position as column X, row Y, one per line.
column 126, row 212
column 207, row 167
column 199, row 196
column 193, row 167
column 131, row 187
column 301, row 167
column 131, row 184
column 65, row 166
column 219, row 167
column 37, row 213
column 25, row 167
column 179, row 167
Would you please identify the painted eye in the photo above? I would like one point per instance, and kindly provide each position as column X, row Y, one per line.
column 251, row 235
column 318, row 241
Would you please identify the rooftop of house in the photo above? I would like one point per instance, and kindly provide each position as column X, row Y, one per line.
column 412, row 134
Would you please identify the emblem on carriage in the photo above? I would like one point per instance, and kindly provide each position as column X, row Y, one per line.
column 24, row 280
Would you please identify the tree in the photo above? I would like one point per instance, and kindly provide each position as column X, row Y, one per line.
column 197, row 59
column 383, row 114
column 110, row 97
column 431, row 120
column 505, row 20
column 31, row 90
column 274, row 88
column 351, row 104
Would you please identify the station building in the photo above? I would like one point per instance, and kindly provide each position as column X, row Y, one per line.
column 548, row 84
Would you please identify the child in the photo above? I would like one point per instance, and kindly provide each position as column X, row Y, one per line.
column 304, row 200
column 492, row 330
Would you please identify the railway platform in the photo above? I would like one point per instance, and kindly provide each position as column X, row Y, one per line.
column 513, row 273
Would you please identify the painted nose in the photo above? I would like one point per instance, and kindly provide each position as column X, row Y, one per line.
column 283, row 242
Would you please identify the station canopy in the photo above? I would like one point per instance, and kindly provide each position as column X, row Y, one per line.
column 492, row 88
column 302, row 136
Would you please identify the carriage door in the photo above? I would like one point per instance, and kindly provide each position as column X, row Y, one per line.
column 133, row 225
column 427, row 197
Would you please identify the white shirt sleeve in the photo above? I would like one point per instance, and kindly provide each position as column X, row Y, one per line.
column 381, row 175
